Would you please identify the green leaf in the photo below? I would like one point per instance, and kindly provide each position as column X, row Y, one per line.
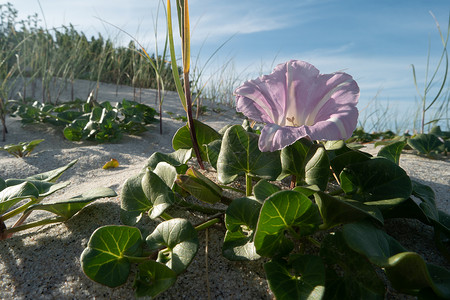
column 68, row 208
column 425, row 143
column 426, row 195
column 75, row 130
column 302, row 278
column 157, row 187
column 377, row 179
column 308, row 162
column 212, row 151
column 392, row 151
column 53, row 175
column 133, row 201
column 153, row 278
column 177, row 159
column 359, row 279
column 336, row 211
column 339, row 162
column 106, row 258
column 45, row 188
column 407, row 271
column 14, row 194
column 263, row 189
column 205, row 135
column 293, row 158
column 239, row 155
column 241, row 219
column 200, row 186
column 180, row 242
column 317, row 167
column 285, row 211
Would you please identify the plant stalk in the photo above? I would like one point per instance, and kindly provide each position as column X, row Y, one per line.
column 248, row 185
column 191, row 120
column 11, row 231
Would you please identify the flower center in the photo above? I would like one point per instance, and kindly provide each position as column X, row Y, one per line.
column 291, row 120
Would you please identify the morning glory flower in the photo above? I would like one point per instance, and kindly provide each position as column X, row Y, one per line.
column 296, row 101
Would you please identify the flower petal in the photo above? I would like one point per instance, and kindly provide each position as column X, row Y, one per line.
column 274, row 137
column 295, row 101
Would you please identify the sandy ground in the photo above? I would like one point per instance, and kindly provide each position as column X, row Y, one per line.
column 43, row 263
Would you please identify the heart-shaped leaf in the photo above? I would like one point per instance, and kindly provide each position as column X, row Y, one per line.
column 425, row 143
column 302, row 278
column 293, row 158
column 68, row 208
column 153, row 278
column 241, row 219
column 157, row 187
column 336, row 211
column 52, row 175
column 180, row 242
column 285, row 211
column 106, row 258
column 133, row 201
column 240, row 155
column 205, row 135
column 374, row 180
column 392, row 151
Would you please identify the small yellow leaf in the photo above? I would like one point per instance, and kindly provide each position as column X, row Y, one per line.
column 113, row 163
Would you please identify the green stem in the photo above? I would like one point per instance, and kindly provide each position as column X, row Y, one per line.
column 232, row 188
column 34, row 224
column 248, row 185
column 18, row 210
column 165, row 216
column 313, row 241
column 207, row 224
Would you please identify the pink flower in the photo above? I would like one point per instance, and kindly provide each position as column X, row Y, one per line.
column 297, row 101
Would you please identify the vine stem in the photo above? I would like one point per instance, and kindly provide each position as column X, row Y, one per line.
column 232, row 188
column 248, row 185
column 207, row 224
column 9, row 232
column 313, row 241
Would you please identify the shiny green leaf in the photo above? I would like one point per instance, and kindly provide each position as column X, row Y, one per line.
column 284, row 212
column 106, row 258
column 180, row 242
column 303, row 277
column 241, row 219
column 240, row 155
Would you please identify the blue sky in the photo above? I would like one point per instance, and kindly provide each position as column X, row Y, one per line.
column 374, row 41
